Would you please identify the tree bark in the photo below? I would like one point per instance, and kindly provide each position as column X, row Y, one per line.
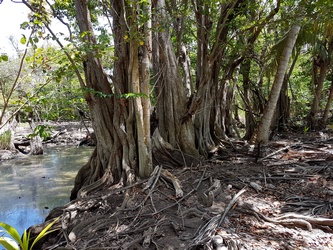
column 263, row 131
column 320, row 65
column 324, row 119
column 282, row 112
column 119, row 116
column 140, row 80
column 169, row 90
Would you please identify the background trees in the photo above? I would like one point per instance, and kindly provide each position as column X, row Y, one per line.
column 198, row 72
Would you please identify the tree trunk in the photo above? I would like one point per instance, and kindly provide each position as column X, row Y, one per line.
column 208, row 105
column 319, row 83
column 114, row 113
column 262, row 134
column 170, row 91
column 320, row 67
column 250, row 122
column 140, row 80
column 323, row 120
column 282, row 113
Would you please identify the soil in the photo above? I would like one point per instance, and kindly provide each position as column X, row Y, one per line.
column 278, row 196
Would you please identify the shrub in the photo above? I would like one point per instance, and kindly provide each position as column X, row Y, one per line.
column 5, row 140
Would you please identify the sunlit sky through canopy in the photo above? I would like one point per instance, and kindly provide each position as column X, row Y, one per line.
column 11, row 16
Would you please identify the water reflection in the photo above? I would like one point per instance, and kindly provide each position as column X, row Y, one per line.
column 30, row 187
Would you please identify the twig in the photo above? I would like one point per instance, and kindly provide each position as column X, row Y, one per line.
column 230, row 205
column 276, row 152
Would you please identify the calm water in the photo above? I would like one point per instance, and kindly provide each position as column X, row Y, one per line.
column 30, row 187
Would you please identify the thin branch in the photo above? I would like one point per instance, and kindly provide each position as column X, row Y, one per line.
column 16, row 79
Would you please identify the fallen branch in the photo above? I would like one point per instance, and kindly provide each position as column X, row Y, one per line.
column 275, row 152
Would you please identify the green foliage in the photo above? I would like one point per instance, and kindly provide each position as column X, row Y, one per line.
column 3, row 57
column 43, row 131
column 23, row 39
column 122, row 96
column 58, row 99
column 5, row 139
column 23, row 243
column 55, row 92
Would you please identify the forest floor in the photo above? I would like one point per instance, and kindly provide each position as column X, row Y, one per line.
column 278, row 198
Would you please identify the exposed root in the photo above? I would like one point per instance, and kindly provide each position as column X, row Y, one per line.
column 205, row 233
column 165, row 154
column 289, row 220
column 97, row 185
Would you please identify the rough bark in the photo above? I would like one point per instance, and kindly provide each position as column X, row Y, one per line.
column 320, row 67
column 140, row 80
column 114, row 117
column 323, row 120
column 262, row 134
column 169, row 89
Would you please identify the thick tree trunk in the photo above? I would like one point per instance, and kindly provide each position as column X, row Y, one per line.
column 169, row 90
column 262, row 134
column 114, row 116
column 140, row 80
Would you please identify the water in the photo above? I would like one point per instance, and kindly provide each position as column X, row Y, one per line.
column 31, row 186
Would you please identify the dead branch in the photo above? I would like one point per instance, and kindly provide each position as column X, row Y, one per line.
column 175, row 182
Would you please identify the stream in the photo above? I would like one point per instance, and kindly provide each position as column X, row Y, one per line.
column 31, row 186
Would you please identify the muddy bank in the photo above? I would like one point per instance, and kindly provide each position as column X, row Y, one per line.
column 60, row 134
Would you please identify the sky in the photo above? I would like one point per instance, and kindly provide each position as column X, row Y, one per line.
column 11, row 16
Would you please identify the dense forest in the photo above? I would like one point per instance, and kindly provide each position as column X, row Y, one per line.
column 170, row 82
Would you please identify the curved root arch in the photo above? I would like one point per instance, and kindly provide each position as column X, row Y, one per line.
column 165, row 154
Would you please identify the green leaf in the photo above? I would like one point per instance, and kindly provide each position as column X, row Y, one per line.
column 11, row 231
column 23, row 39
column 3, row 57
column 44, row 232
column 25, row 240
column 8, row 243
column 24, row 25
